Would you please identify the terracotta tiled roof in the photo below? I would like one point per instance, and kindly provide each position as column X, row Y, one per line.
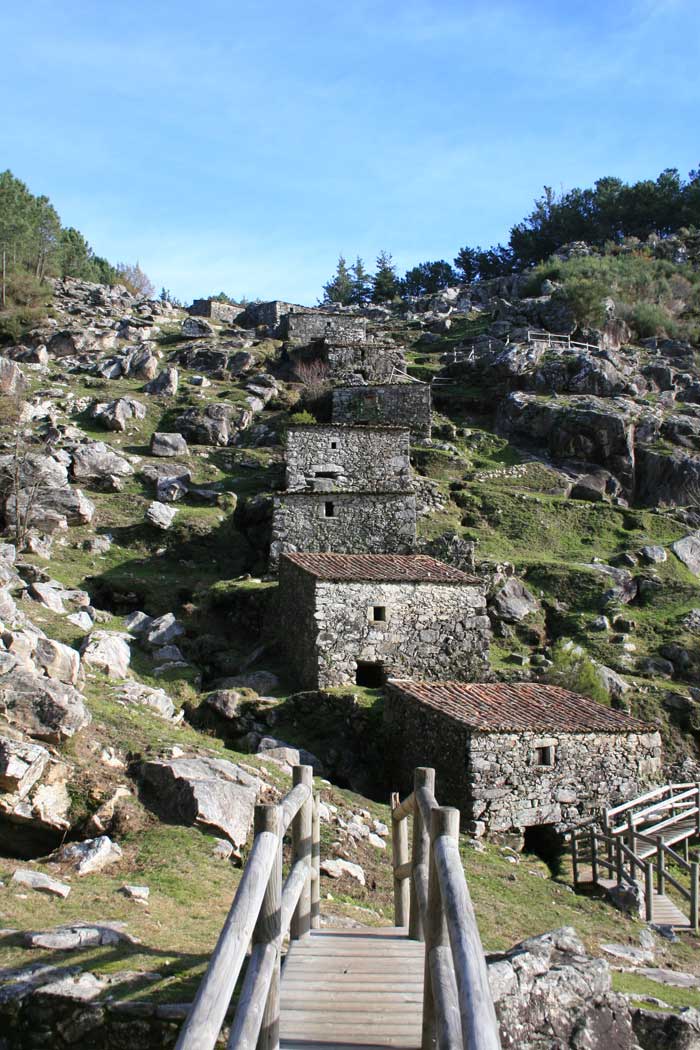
column 329, row 427
column 521, row 706
column 382, row 568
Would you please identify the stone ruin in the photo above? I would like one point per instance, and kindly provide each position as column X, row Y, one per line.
column 215, row 310
column 347, row 459
column 349, row 490
column 385, row 404
column 358, row 619
column 302, row 328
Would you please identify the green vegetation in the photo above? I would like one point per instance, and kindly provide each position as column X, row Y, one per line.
column 655, row 296
column 611, row 214
column 33, row 246
column 573, row 669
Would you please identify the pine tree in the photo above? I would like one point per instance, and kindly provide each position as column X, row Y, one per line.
column 361, row 282
column 340, row 288
column 467, row 264
column 385, row 284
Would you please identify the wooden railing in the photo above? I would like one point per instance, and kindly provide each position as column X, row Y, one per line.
column 432, row 899
column 553, row 339
column 264, row 909
column 642, row 842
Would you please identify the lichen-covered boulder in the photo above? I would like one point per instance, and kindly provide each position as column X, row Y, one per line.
column 202, row 790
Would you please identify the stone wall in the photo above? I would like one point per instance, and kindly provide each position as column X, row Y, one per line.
column 347, row 459
column 362, row 523
column 303, row 327
column 269, row 314
column 296, row 597
column 227, row 312
column 390, row 404
column 493, row 779
column 368, row 362
column 430, row 631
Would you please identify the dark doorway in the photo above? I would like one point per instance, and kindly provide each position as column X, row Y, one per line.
column 546, row 843
column 369, row 675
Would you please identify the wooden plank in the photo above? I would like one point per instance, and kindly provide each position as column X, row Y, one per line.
column 355, row 988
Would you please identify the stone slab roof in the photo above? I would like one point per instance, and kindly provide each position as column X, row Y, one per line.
column 381, row 568
column 520, row 707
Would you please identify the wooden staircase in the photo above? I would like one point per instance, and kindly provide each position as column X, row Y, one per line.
column 353, row 988
column 633, row 844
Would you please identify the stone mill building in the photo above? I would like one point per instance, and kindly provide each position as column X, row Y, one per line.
column 362, row 618
column 519, row 757
column 348, row 490
column 381, row 404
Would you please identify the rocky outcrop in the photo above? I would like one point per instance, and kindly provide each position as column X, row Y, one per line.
column 116, row 415
column 201, row 790
column 42, row 708
column 549, row 992
column 107, row 651
column 217, row 424
column 95, row 461
column 584, row 429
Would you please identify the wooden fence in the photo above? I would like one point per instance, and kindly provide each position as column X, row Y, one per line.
column 633, row 842
column 432, row 899
column 264, row 909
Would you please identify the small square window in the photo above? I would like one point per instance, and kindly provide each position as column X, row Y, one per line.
column 329, row 510
column 379, row 613
column 334, row 444
column 544, row 756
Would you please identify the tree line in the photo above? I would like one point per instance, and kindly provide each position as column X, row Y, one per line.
column 605, row 214
column 35, row 245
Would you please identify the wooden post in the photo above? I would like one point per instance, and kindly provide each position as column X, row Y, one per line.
column 268, row 929
column 442, row 1024
column 608, row 836
column 574, row 857
column 649, row 890
column 423, row 778
column 694, row 917
column 402, row 890
column 686, row 851
column 697, row 815
column 619, row 864
column 594, row 857
column 316, row 865
column 302, row 827
column 660, row 870
column 630, row 832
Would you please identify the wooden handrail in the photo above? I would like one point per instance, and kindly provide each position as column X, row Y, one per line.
column 624, row 806
column 458, row 1010
column 263, row 910
column 684, row 801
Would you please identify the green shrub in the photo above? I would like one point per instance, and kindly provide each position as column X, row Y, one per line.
column 302, row 419
column 649, row 319
column 573, row 669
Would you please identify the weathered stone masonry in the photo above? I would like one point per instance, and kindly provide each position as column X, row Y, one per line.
column 347, row 459
column 345, row 617
column 308, row 327
column 346, row 522
column 516, row 756
column 226, row 312
column 368, row 362
column 389, row 404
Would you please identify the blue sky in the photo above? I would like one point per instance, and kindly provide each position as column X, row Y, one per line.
column 240, row 145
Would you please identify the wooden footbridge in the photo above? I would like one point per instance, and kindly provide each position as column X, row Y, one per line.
column 420, row 984
column 635, row 844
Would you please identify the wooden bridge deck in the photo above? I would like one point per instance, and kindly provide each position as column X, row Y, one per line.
column 352, row 988
column 665, row 911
